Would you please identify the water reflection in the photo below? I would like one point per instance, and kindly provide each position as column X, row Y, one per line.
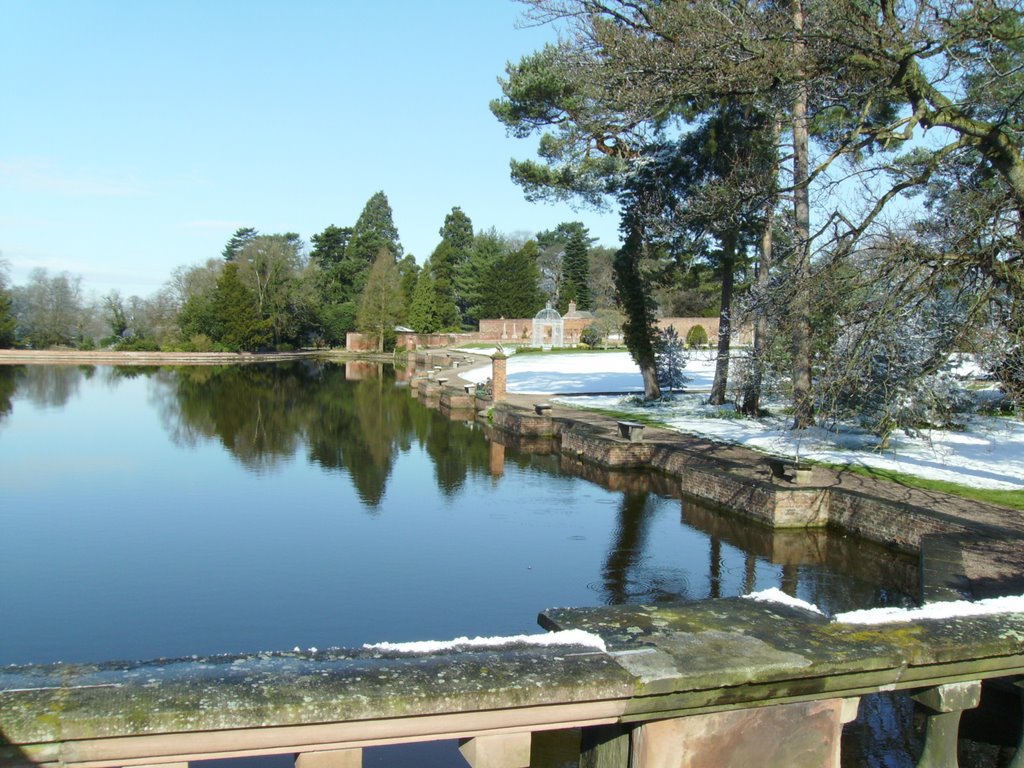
column 349, row 418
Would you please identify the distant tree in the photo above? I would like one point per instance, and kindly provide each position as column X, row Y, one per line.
column 423, row 315
column 116, row 314
column 458, row 230
column 373, row 230
column 447, row 262
column 409, row 272
column 8, row 321
column 336, row 280
column 270, row 265
column 50, row 310
column 238, row 241
column 488, row 247
column 513, row 288
column 381, row 305
column 443, row 270
column 235, row 314
column 576, row 272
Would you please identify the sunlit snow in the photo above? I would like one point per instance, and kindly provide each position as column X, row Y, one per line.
column 989, row 453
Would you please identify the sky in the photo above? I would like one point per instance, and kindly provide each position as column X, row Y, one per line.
column 137, row 136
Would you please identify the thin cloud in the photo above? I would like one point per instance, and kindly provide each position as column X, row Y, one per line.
column 41, row 174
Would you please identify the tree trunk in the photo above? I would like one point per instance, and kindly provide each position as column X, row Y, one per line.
column 652, row 390
column 718, row 388
column 800, row 310
column 751, row 405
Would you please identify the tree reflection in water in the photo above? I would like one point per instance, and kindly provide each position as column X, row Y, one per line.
column 351, row 421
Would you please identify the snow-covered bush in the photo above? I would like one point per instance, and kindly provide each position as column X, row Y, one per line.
column 885, row 372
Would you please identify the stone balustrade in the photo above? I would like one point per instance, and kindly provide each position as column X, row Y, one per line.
column 716, row 683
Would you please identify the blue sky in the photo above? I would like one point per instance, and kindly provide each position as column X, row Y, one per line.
column 138, row 135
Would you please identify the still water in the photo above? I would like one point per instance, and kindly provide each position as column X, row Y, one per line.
column 159, row 512
column 166, row 512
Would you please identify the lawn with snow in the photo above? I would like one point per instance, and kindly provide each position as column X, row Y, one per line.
column 989, row 453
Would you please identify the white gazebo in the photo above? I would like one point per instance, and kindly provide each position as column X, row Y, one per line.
column 547, row 328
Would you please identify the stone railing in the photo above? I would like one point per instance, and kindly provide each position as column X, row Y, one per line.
column 721, row 682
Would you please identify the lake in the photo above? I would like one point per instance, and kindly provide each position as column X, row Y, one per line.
column 164, row 512
column 158, row 512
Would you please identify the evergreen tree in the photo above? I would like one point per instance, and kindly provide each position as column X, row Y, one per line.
column 443, row 269
column 487, row 248
column 409, row 272
column 236, row 321
column 447, row 262
column 373, row 230
column 575, row 272
column 238, row 241
column 381, row 304
column 423, row 315
column 671, row 356
column 513, row 288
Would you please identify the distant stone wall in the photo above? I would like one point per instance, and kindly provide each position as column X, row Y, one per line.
column 520, row 329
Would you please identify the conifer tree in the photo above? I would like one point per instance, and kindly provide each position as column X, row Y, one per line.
column 381, row 304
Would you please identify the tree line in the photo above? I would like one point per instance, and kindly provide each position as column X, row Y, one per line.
column 275, row 291
column 787, row 139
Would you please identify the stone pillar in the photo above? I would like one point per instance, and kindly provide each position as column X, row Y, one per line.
column 945, row 703
column 1018, row 758
column 604, row 746
column 332, row 758
column 499, row 377
column 782, row 736
column 503, row 750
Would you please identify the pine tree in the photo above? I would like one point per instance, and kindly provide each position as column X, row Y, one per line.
column 238, row 241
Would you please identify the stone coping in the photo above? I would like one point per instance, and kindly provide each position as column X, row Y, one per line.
column 694, row 658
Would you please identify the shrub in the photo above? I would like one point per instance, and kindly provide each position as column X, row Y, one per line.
column 590, row 336
column 696, row 337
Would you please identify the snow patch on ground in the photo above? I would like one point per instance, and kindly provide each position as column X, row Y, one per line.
column 988, row 453
column 550, row 639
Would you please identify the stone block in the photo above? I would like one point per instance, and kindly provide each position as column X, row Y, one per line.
column 785, row 736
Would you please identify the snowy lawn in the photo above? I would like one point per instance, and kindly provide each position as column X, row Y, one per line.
column 989, row 453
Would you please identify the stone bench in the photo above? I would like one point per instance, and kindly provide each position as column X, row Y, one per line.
column 632, row 430
column 442, row 381
column 470, row 388
column 542, row 408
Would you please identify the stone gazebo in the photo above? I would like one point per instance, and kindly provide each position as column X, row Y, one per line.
column 547, row 328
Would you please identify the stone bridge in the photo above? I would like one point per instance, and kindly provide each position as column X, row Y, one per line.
column 731, row 682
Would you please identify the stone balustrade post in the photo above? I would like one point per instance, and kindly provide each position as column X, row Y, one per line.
column 499, row 376
column 503, row 750
column 945, row 703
